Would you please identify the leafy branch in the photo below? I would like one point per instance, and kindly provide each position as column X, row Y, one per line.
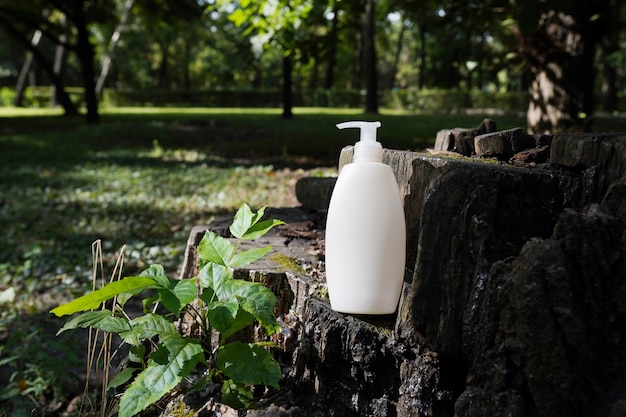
column 213, row 299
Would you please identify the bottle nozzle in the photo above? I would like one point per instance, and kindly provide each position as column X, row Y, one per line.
column 367, row 149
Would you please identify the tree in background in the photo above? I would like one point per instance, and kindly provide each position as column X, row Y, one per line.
column 612, row 57
column 272, row 23
column 113, row 42
column 559, row 52
column 308, row 30
column 24, row 24
column 423, row 16
column 458, row 44
column 64, row 24
column 169, row 46
column 368, row 36
column 172, row 27
column 317, row 49
column 70, row 25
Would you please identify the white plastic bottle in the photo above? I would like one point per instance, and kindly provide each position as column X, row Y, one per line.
column 365, row 232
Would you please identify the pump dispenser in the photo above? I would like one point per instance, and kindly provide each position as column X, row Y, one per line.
column 365, row 231
column 367, row 149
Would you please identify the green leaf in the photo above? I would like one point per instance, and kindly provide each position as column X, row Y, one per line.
column 148, row 301
column 247, row 224
column 175, row 294
column 259, row 229
column 137, row 354
column 228, row 324
column 248, row 364
column 244, row 219
column 102, row 320
column 155, row 270
column 221, row 314
column 176, row 358
column 147, row 326
column 207, row 295
column 214, row 248
column 226, row 291
column 236, row 395
column 123, row 298
column 257, row 300
column 249, row 256
column 161, row 281
column 238, row 17
column 213, row 276
column 242, row 320
column 94, row 299
column 122, row 377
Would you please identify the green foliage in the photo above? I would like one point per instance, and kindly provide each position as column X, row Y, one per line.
column 275, row 21
column 216, row 302
column 169, row 49
column 34, row 365
column 175, row 358
column 6, row 96
column 94, row 299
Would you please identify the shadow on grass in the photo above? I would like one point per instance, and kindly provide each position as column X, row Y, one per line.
column 232, row 136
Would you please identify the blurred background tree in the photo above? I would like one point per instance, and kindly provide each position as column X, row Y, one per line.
column 564, row 44
column 566, row 58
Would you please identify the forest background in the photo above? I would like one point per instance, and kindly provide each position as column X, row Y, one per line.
column 565, row 58
column 126, row 122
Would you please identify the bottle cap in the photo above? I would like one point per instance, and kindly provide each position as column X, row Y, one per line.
column 367, row 149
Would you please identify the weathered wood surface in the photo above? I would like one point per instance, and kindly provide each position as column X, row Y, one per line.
column 513, row 302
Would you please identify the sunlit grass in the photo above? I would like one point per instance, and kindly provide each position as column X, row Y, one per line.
column 225, row 110
column 29, row 111
column 311, row 132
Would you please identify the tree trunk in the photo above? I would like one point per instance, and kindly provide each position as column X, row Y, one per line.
column 480, row 69
column 60, row 55
column 560, row 58
column 610, row 47
column 586, row 74
column 369, row 54
column 64, row 99
column 609, row 87
column 106, row 62
column 513, row 299
column 58, row 66
column 332, row 53
column 163, row 70
column 257, row 71
column 463, row 62
column 20, row 87
column 314, row 79
column 357, row 60
column 551, row 53
column 421, row 75
column 396, row 58
column 287, row 87
column 186, row 63
column 85, row 53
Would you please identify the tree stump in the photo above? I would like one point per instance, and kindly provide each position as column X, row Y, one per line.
column 513, row 303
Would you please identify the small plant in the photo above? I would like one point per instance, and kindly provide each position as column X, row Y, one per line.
column 217, row 304
column 34, row 364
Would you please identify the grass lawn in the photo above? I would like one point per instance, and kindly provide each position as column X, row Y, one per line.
column 142, row 178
